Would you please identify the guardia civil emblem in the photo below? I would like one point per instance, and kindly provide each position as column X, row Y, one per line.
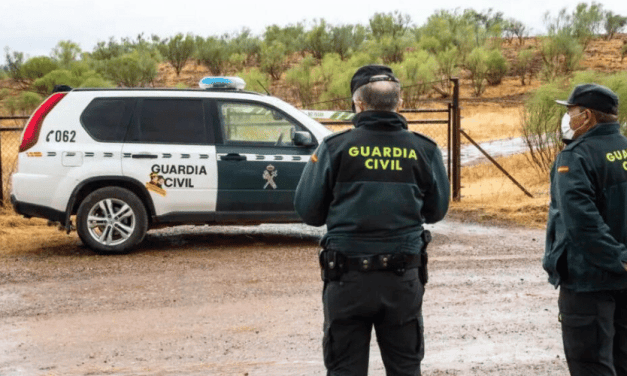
column 269, row 174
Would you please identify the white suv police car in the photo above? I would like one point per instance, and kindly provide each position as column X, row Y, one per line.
column 126, row 160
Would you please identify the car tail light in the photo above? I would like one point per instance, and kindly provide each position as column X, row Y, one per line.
column 31, row 133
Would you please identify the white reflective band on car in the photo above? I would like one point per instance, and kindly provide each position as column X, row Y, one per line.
column 333, row 115
column 270, row 158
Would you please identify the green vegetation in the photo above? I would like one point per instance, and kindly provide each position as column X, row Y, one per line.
column 178, row 50
column 316, row 59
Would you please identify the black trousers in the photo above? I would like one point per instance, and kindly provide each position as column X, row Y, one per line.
column 594, row 331
column 385, row 300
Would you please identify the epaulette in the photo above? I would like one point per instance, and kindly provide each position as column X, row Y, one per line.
column 427, row 138
column 573, row 144
column 333, row 135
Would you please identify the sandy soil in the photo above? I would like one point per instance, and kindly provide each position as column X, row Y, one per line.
column 246, row 301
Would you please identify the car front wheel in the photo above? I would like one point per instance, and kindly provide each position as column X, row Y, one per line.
column 111, row 220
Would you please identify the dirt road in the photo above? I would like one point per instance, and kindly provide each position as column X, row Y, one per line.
column 246, row 301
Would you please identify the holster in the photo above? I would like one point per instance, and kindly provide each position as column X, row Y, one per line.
column 332, row 265
column 423, row 273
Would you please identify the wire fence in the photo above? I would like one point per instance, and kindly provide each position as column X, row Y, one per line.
column 10, row 131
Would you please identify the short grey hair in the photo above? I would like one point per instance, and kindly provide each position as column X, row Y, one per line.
column 379, row 95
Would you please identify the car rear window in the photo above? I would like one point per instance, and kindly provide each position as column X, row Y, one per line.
column 107, row 119
column 170, row 121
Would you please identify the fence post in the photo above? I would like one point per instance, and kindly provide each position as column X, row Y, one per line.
column 456, row 143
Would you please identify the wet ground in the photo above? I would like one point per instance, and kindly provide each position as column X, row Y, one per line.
column 470, row 154
column 246, row 301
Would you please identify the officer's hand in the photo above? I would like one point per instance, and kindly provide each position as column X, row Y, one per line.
column 625, row 265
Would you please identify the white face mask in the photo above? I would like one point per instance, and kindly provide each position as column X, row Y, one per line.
column 567, row 132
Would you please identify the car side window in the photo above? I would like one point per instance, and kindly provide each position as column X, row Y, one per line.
column 170, row 121
column 255, row 124
column 107, row 119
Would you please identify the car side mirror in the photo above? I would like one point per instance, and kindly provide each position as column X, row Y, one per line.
column 302, row 139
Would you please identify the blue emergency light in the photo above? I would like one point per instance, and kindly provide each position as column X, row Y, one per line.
column 233, row 83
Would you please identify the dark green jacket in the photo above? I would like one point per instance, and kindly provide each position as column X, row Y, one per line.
column 374, row 186
column 587, row 225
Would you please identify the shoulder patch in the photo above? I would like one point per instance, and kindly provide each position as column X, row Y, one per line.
column 563, row 169
column 425, row 137
column 338, row 133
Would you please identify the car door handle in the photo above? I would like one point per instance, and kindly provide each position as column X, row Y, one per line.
column 144, row 156
column 233, row 157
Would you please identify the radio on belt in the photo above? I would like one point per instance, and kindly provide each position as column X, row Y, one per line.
column 233, row 83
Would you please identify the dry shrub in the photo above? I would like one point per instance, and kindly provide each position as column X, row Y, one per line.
column 489, row 194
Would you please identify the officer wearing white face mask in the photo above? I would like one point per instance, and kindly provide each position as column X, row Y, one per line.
column 586, row 240
column 567, row 131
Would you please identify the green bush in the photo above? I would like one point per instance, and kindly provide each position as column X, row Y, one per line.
column 318, row 40
column 541, row 125
column 66, row 52
column 523, row 65
column 561, row 54
column 237, row 61
column 497, row 67
column 336, row 76
column 246, row 44
column 45, row 84
column 131, row 70
column 10, row 105
column 96, row 81
column 291, row 37
column 14, row 62
column 416, row 73
column 586, row 21
column 389, row 24
column 391, row 36
column 28, row 101
column 23, row 104
column 213, row 53
column 178, row 50
column 255, row 79
column 447, row 61
column 38, row 67
column 478, row 67
column 301, row 80
column 272, row 59
column 326, row 71
column 347, row 39
column 613, row 24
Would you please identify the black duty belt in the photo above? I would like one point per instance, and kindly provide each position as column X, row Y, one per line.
column 394, row 262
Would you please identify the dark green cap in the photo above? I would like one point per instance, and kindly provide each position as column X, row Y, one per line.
column 593, row 96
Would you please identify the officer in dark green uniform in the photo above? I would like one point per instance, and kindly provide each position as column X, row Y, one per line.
column 374, row 187
column 586, row 235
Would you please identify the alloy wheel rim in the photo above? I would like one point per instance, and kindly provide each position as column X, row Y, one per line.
column 111, row 222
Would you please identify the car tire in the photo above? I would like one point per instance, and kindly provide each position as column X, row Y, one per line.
column 111, row 220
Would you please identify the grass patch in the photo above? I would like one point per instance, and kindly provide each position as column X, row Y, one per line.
column 488, row 195
column 19, row 235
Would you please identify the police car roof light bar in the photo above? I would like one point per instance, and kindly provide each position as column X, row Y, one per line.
column 31, row 132
column 231, row 83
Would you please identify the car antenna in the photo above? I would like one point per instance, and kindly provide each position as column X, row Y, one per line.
column 263, row 87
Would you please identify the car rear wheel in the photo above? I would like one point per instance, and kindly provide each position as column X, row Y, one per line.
column 111, row 220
